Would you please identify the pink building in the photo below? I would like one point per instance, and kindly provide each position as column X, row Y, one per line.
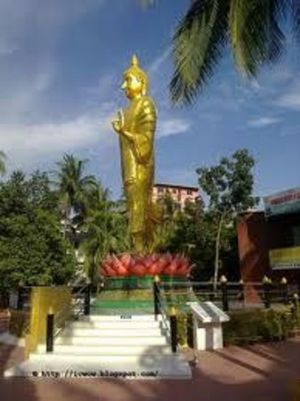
column 180, row 193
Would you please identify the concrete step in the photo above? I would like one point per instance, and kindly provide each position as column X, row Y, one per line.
column 146, row 359
column 125, row 317
column 111, row 324
column 110, row 341
column 166, row 368
column 108, row 332
column 104, row 350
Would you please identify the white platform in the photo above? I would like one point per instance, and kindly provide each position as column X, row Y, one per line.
column 108, row 346
column 208, row 320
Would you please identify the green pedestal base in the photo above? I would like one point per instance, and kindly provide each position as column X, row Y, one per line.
column 135, row 282
column 128, row 295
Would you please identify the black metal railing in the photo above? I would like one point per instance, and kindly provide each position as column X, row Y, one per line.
column 167, row 315
column 231, row 295
column 55, row 323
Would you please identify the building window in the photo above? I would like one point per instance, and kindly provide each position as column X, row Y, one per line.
column 160, row 190
column 189, row 192
column 174, row 191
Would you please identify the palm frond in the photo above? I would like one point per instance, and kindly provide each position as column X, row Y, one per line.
column 147, row 3
column 296, row 18
column 197, row 47
column 2, row 162
column 255, row 33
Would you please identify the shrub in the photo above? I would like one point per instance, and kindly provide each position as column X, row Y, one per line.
column 250, row 326
column 263, row 325
column 18, row 324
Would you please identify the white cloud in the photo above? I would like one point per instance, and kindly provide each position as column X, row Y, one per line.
column 25, row 100
column 172, row 126
column 25, row 143
column 19, row 19
column 159, row 61
column 262, row 122
column 290, row 100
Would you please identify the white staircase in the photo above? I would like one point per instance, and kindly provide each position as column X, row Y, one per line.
column 108, row 346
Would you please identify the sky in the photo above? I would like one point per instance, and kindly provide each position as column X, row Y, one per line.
column 61, row 65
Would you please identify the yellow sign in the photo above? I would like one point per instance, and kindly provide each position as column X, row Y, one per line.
column 285, row 258
column 44, row 300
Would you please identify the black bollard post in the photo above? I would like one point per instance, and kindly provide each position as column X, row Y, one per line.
column 49, row 332
column 295, row 301
column 267, row 292
column 173, row 324
column 211, row 289
column 224, row 290
column 87, row 300
column 190, row 330
column 285, row 290
column 156, row 296
column 241, row 291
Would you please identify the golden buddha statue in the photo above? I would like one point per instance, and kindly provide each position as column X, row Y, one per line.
column 135, row 126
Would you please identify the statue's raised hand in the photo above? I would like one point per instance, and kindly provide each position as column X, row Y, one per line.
column 118, row 124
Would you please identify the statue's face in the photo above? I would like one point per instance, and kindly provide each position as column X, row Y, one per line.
column 132, row 86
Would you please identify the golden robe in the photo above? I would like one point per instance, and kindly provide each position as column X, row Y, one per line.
column 137, row 160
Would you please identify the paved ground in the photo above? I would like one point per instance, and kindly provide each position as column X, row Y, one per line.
column 254, row 373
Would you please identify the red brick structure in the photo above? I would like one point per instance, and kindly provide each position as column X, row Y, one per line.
column 257, row 236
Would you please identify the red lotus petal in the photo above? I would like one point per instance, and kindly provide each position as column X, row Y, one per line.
column 135, row 269
column 126, row 259
column 109, row 272
column 148, row 261
column 183, row 271
column 154, row 269
column 172, row 267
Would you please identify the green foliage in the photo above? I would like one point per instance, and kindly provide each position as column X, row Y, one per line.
column 74, row 188
column 228, row 187
column 2, row 162
column 253, row 28
column 208, row 235
column 182, row 329
column 259, row 325
column 105, row 231
column 250, row 326
column 18, row 323
column 198, row 44
column 229, row 184
column 32, row 248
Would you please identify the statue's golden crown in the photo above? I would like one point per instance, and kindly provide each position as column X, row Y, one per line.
column 137, row 71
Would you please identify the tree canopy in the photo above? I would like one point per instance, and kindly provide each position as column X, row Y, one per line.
column 32, row 248
column 229, row 188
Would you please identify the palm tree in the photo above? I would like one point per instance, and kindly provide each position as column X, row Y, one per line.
column 169, row 212
column 74, row 187
column 105, row 231
column 252, row 28
column 2, row 162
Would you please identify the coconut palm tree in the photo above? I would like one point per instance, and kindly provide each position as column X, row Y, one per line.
column 2, row 162
column 169, row 212
column 254, row 30
column 105, row 231
column 74, row 187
